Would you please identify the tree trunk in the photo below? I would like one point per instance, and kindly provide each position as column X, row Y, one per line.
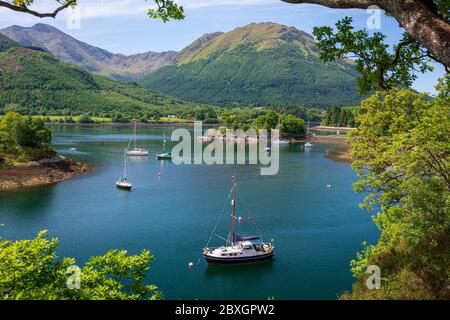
column 415, row 16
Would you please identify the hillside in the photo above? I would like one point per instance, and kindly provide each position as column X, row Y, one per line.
column 33, row 82
column 93, row 59
column 258, row 64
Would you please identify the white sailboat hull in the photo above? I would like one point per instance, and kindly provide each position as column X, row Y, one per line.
column 137, row 152
column 237, row 254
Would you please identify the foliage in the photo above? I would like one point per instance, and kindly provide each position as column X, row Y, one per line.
column 166, row 9
column 85, row 119
column 30, row 269
column 289, row 125
column 292, row 126
column 267, row 121
column 378, row 68
column 23, row 138
column 341, row 117
column 401, row 150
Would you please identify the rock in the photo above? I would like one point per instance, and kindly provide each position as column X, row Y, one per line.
column 41, row 173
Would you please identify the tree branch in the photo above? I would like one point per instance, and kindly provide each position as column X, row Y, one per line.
column 338, row 4
column 420, row 18
column 398, row 49
column 25, row 9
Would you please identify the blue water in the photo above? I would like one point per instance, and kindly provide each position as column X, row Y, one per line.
column 316, row 230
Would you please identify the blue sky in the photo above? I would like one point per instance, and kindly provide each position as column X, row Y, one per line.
column 121, row 26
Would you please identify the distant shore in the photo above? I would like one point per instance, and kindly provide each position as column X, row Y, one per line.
column 41, row 173
column 125, row 124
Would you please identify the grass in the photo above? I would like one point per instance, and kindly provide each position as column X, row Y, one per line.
column 109, row 120
column 75, row 118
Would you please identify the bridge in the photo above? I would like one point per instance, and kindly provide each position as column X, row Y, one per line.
column 331, row 129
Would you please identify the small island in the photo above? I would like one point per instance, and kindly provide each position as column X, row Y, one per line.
column 26, row 156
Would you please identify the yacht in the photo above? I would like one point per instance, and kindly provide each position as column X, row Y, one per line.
column 241, row 249
column 122, row 182
column 136, row 151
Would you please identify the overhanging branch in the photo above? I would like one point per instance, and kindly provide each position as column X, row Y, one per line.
column 25, row 9
column 338, row 4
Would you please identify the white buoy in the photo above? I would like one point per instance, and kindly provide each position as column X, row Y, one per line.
column 191, row 265
column 328, row 186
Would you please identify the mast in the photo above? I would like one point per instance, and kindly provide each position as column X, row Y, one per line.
column 134, row 136
column 164, row 143
column 233, row 212
column 125, row 165
column 307, row 130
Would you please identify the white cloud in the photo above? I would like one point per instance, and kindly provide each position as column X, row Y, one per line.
column 92, row 9
column 215, row 3
column 111, row 8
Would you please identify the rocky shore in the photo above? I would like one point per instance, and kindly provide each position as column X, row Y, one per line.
column 40, row 173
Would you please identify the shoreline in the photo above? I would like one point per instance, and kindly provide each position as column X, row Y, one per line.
column 42, row 173
column 342, row 154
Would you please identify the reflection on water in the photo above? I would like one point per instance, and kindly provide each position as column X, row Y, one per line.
column 255, row 270
column 339, row 153
column 32, row 201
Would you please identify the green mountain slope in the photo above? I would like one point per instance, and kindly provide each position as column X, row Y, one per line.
column 258, row 64
column 33, row 82
column 93, row 59
column 6, row 43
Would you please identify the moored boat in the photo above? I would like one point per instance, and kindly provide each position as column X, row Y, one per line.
column 164, row 155
column 136, row 151
column 308, row 143
column 123, row 183
column 241, row 249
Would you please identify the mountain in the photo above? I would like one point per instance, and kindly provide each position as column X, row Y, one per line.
column 34, row 82
column 257, row 64
column 6, row 43
column 93, row 59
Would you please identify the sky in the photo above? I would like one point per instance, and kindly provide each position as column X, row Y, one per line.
column 122, row 26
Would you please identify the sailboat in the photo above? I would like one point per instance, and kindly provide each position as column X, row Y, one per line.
column 136, row 151
column 241, row 249
column 164, row 155
column 309, row 143
column 122, row 182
